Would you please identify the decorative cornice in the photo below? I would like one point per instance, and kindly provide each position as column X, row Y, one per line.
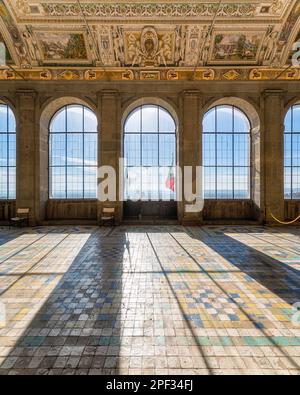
column 149, row 10
column 159, row 74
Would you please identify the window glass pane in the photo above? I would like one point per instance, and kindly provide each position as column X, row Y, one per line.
column 58, row 183
column 133, row 122
column 224, row 183
column 241, row 149
column 225, row 119
column 209, row 121
column 167, row 183
column 241, row 183
column 3, row 149
column 90, row 149
column 132, row 181
column 150, row 183
column 150, row 119
column 209, row 182
column 12, row 149
column 224, row 150
column 292, row 153
column 57, row 149
column 3, row 182
column 3, row 118
column 209, row 149
column 132, row 149
column 75, row 182
column 146, row 149
column 73, row 154
column 11, row 121
column 166, row 122
column 296, row 149
column 296, row 183
column 226, row 154
column 75, row 119
column 74, row 149
column 90, row 182
column 288, row 121
column 7, row 153
column 150, row 150
column 12, row 183
column 287, row 149
column 90, row 121
column 287, row 183
column 58, row 123
column 241, row 123
column 296, row 119
column 167, row 149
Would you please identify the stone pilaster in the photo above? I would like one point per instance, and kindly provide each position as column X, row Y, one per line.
column 190, row 147
column 26, row 152
column 274, row 154
column 110, row 135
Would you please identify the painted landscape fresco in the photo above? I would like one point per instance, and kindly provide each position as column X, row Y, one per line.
column 62, row 46
column 236, row 47
column 5, row 57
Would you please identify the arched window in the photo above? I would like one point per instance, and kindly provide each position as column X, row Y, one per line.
column 149, row 154
column 292, row 153
column 7, row 153
column 226, row 153
column 73, row 153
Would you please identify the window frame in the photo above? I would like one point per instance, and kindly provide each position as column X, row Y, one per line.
column 232, row 166
column 7, row 133
column 157, row 133
column 66, row 166
column 292, row 167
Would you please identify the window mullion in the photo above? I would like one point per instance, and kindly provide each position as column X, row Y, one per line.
column 292, row 142
column 233, row 169
column 83, row 161
column 66, row 156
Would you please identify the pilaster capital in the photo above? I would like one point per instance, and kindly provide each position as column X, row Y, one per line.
column 26, row 93
column 273, row 92
column 194, row 93
column 108, row 93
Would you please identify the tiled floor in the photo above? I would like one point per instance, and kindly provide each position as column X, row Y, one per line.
column 150, row 300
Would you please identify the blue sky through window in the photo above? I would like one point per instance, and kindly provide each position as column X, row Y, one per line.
column 149, row 154
column 73, row 153
column 7, row 153
column 226, row 153
column 292, row 153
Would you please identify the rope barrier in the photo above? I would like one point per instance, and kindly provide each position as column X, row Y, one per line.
column 282, row 222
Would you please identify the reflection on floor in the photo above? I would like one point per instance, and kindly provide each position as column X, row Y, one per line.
column 150, row 300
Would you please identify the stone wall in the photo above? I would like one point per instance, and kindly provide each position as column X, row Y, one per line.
column 265, row 103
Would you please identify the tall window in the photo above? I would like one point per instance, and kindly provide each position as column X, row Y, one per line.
column 149, row 154
column 292, row 153
column 73, row 153
column 7, row 153
column 226, row 153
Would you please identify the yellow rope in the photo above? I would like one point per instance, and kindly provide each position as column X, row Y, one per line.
column 284, row 223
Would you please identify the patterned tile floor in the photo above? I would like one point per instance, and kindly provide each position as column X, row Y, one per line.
column 150, row 300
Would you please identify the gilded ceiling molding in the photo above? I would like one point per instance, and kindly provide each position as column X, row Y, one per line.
column 165, row 74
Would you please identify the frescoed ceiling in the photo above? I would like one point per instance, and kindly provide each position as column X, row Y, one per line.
column 144, row 39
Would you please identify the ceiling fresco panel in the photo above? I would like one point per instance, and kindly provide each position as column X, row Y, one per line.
column 148, row 39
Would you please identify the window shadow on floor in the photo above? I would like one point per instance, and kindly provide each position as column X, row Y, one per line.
column 88, row 323
column 278, row 277
column 78, row 324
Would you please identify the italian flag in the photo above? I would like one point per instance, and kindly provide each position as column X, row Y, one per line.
column 170, row 181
